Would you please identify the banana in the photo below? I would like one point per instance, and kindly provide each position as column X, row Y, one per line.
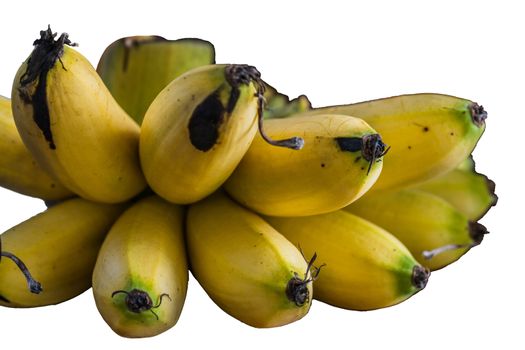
column 279, row 105
column 429, row 134
column 366, row 267
column 72, row 125
column 341, row 160
column 472, row 193
column 249, row 270
column 136, row 68
column 19, row 171
column 141, row 275
column 435, row 232
column 198, row 128
column 59, row 247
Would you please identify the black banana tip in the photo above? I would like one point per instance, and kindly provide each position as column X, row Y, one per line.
column 420, row 276
column 477, row 231
column 478, row 114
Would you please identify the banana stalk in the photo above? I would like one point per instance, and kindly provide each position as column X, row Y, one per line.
column 136, row 68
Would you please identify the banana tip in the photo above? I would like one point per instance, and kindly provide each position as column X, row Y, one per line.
column 478, row 113
column 420, row 276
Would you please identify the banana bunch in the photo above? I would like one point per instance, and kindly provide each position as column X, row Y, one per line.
column 161, row 163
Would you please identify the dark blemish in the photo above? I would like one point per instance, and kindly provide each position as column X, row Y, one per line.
column 451, row 134
column 193, row 97
column 478, row 114
column 371, row 147
column 425, row 129
column 44, row 56
column 205, row 122
column 357, row 159
column 322, row 165
column 53, row 185
column 232, row 100
column 409, row 147
column 362, row 168
column 350, row 144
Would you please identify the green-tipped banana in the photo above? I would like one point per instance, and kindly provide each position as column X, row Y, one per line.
column 250, row 270
column 340, row 161
column 472, row 193
column 59, row 248
column 429, row 134
column 365, row 268
column 19, row 171
column 434, row 231
column 198, row 128
column 72, row 125
column 136, row 68
column 141, row 275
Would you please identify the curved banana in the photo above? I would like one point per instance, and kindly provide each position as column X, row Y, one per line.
column 19, row 171
column 141, row 275
column 59, row 246
column 429, row 134
column 136, row 68
column 198, row 128
column 72, row 125
column 340, row 161
column 366, row 267
column 472, row 193
column 249, row 270
column 435, row 232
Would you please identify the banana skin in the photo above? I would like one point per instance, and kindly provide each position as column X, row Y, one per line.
column 59, row 247
column 248, row 269
column 141, row 274
column 72, row 125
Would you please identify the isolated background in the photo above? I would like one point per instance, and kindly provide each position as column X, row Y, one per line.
column 335, row 54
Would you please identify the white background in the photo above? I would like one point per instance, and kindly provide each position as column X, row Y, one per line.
column 334, row 54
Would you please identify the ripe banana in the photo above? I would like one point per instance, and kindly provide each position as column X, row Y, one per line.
column 435, row 232
column 19, row 171
column 249, row 270
column 198, row 128
column 72, row 125
column 472, row 193
column 135, row 69
column 429, row 134
column 141, row 275
column 341, row 160
column 366, row 267
column 59, row 247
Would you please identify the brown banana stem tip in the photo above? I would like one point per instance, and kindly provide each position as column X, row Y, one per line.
column 34, row 286
column 420, row 276
column 477, row 231
column 297, row 288
column 138, row 301
column 478, row 114
column 238, row 74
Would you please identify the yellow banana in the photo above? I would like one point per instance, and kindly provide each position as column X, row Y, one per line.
column 72, row 125
column 434, row 231
column 429, row 134
column 141, row 275
column 19, row 171
column 198, row 128
column 340, row 161
column 135, row 69
column 249, row 270
column 472, row 193
column 59, row 247
column 366, row 267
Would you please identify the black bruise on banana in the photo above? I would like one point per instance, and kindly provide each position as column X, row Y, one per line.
column 44, row 56
column 205, row 122
column 371, row 147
